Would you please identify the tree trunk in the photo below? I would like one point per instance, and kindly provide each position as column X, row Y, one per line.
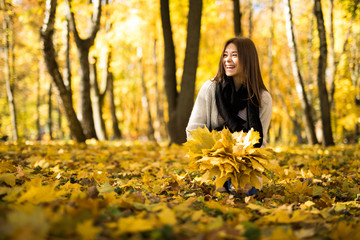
column 180, row 104
column 160, row 121
column 323, row 94
column 145, row 102
column 50, row 121
column 66, row 45
column 169, row 68
column 186, row 96
column 250, row 18
column 300, row 88
column 310, row 75
column 332, row 56
column 83, row 45
column 47, row 32
column 270, row 55
column 115, row 127
column 98, row 102
column 237, row 17
column 38, row 127
column 9, row 66
column 60, row 134
column 294, row 120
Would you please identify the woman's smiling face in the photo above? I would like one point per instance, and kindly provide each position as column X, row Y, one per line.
column 231, row 61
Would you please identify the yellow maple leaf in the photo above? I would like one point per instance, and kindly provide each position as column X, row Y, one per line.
column 201, row 139
column 37, row 193
column 87, row 230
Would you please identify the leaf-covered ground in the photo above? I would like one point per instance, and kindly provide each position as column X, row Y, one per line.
column 138, row 190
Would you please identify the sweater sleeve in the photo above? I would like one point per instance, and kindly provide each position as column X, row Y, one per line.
column 199, row 114
column 265, row 114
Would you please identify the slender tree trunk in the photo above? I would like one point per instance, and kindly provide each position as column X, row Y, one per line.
column 332, row 56
column 38, row 127
column 294, row 119
column 237, row 17
column 98, row 102
column 115, row 127
column 59, row 122
column 50, row 120
column 323, row 94
column 169, row 68
column 66, row 46
column 83, row 46
column 160, row 120
column 47, row 32
column 300, row 88
column 309, row 80
column 108, row 82
column 145, row 101
column 250, row 18
column 270, row 55
column 9, row 66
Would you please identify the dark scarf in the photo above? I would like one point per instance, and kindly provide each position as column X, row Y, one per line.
column 229, row 102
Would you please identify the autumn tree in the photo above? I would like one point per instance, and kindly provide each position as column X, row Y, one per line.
column 322, row 62
column 9, row 64
column 83, row 46
column 64, row 96
column 334, row 58
column 180, row 103
column 300, row 86
column 108, row 80
column 116, row 133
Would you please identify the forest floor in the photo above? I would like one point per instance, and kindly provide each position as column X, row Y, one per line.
column 140, row 190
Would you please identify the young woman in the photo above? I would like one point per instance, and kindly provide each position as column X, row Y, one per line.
column 236, row 97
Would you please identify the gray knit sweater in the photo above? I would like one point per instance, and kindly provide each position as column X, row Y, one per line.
column 205, row 112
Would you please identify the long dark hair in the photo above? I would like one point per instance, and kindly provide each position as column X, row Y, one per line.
column 248, row 57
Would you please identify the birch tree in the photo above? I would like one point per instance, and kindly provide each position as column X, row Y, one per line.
column 9, row 66
column 300, row 86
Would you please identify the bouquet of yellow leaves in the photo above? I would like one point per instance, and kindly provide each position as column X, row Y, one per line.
column 225, row 155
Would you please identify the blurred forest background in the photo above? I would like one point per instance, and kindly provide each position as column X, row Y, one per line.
column 131, row 69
